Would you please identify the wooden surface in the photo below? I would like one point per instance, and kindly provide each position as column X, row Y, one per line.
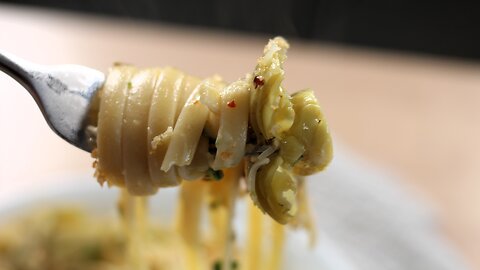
column 418, row 117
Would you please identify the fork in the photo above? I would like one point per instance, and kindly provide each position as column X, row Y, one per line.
column 64, row 94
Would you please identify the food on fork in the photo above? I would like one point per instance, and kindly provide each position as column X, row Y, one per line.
column 161, row 127
column 219, row 142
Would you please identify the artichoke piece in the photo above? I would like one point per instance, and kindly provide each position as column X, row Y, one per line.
column 291, row 150
column 310, row 128
column 276, row 190
column 271, row 112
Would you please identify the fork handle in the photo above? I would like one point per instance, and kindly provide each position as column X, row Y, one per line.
column 14, row 66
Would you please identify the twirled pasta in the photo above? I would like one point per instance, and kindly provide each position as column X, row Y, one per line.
column 157, row 126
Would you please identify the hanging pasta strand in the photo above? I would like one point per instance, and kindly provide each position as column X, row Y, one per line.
column 223, row 195
column 134, row 218
column 304, row 218
column 254, row 251
column 274, row 260
column 188, row 222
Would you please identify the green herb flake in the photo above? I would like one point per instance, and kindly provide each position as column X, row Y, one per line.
column 129, row 85
column 214, row 205
column 218, row 265
column 92, row 252
column 215, row 175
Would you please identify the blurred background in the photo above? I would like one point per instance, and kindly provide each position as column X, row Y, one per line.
column 399, row 82
column 446, row 28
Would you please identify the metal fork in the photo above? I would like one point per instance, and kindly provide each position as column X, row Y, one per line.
column 64, row 94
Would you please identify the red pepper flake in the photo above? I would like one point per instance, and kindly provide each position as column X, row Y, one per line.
column 258, row 81
column 231, row 104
